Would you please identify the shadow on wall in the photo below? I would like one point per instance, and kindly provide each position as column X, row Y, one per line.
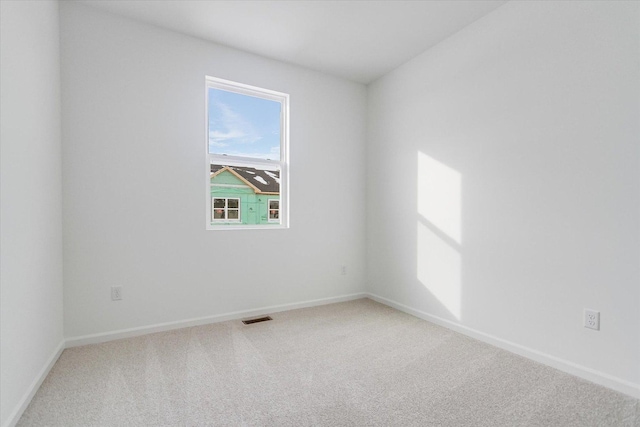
column 439, row 233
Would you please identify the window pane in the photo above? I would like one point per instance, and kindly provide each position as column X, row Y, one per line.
column 243, row 125
column 247, row 139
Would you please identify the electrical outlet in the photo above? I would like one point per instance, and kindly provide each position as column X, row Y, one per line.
column 116, row 293
column 343, row 270
column 591, row 319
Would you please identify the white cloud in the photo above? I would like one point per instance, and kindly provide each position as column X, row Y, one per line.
column 215, row 143
column 217, row 135
column 232, row 128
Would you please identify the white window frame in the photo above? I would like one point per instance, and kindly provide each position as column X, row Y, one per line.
column 226, row 210
column 269, row 210
column 281, row 164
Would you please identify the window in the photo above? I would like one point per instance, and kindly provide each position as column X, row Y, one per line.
column 246, row 156
column 274, row 210
column 226, row 209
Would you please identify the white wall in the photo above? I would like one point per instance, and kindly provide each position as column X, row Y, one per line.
column 504, row 181
column 31, row 228
column 134, row 205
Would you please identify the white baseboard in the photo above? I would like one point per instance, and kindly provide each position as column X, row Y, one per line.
column 161, row 327
column 33, row 388
column 588, row 374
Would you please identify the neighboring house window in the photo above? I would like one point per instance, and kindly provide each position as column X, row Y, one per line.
column 226, row 209
column 247, row 156
column 274, row 210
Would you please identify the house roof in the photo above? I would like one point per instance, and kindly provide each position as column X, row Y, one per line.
column 264, row 181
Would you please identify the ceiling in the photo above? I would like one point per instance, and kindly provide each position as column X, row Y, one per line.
column 357, row 40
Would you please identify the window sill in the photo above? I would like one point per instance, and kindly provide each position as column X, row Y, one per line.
column 229, row 226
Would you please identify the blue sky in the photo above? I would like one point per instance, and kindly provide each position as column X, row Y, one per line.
column 242, row 125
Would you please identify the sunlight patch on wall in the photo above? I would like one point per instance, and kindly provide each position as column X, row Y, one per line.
column 439, row 232
column 439, row 269
column 439, row 196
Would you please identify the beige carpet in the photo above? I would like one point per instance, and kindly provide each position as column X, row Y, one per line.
column 358, row 363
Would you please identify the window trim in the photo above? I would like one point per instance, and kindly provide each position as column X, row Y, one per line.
column 226, row 210
column 282, row 164
column 269, row 210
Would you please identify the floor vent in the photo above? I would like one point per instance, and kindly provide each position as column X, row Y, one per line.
column 259, row 319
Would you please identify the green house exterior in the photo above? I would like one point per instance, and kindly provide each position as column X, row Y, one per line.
column 252, row 206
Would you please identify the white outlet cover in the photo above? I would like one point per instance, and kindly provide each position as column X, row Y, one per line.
column 591, row 319
column 116, row 293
